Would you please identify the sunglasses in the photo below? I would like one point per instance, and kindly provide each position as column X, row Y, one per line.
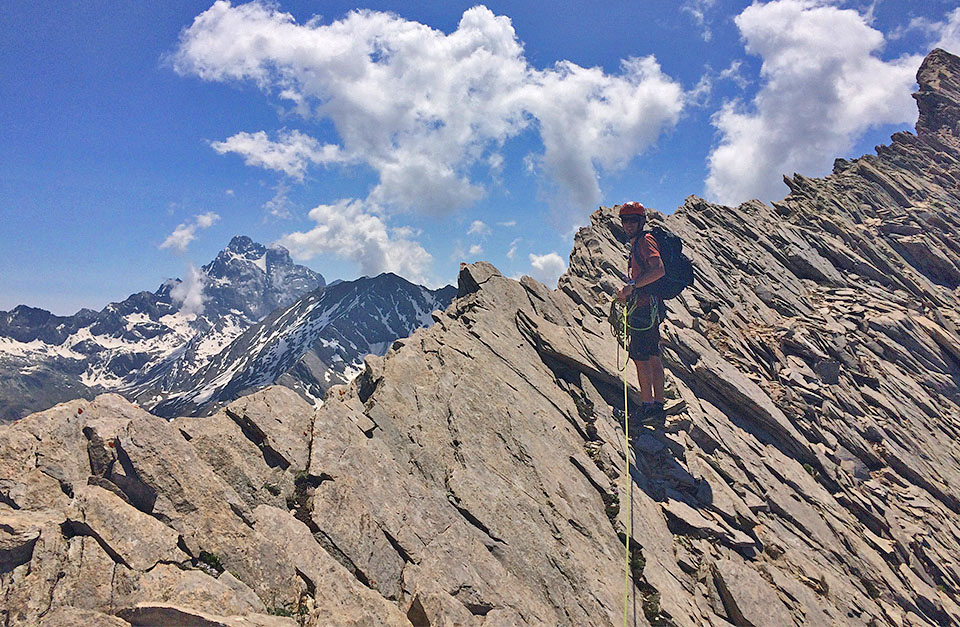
column 627, row 219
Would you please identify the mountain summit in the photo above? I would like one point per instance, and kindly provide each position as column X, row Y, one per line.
column 254, row 279
column 478, row 474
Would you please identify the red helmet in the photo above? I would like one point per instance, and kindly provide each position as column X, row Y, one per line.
column 632, row 209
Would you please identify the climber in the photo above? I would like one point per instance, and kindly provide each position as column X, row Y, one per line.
column 644, row 267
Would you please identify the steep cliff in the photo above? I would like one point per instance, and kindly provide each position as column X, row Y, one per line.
column 808, row 473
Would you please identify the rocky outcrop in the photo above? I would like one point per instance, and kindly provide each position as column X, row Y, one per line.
column 477, row 474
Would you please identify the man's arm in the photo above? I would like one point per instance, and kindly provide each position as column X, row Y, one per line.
column 655, row 272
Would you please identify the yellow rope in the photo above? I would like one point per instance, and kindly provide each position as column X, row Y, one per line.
column 626, row 474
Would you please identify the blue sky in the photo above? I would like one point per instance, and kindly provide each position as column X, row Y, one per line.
column 137, row 138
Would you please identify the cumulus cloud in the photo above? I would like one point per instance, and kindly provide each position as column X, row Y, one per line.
column 422, row 108
column 477, row 227
column 186, row 232
column 351, row 231
column 290, row 154
column 547, row 268
column 589, row 119
column 476, row 250
column 189, row 292
column 823, row 86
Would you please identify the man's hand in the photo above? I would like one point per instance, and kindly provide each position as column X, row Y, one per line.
column 624, row 293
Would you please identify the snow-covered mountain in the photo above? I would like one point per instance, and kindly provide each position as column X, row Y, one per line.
column 315, row 343
column 148, row 338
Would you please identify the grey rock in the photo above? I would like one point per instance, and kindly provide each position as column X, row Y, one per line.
column 747, row 597
column 133, row 538
column 73, row 617
column 164, row 614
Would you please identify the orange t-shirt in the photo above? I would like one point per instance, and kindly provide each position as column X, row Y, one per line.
column 648, row 249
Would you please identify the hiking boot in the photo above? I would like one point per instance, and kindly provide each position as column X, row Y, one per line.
column 653, row 415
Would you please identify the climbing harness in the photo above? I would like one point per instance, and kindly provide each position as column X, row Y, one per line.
column 619, row 319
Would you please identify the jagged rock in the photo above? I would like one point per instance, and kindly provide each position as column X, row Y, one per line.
column 19, row 531
column 224, row 446
column 167, row 479
column 147, row 614
column 196, row 590
column 747, row 597
column 73, row 617
column 339, row 599
column 279, row 423
column 133, row 538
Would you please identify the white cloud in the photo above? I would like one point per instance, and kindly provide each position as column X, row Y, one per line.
column 513, row 249
column 698, row 10
column 476, row 250
column 823, row 87
column 589, row 119
column 348, row 229
column 280, row 206
column 733, row 73
column 547, row 268
column 422, row 107
column 477, row 227
column 186, row 232
column 508, row 223
column 289, row 155
column 189, row 292
column 206, row 220
column 948, row 32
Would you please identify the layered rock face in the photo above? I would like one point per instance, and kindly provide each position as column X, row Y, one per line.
column 475, row 475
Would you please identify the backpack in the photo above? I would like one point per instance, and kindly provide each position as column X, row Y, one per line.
column 679, row 270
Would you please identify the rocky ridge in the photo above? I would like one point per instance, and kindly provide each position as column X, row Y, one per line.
column 808, row 473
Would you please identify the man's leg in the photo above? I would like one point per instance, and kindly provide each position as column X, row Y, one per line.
column 656, row 378
column 645, row 380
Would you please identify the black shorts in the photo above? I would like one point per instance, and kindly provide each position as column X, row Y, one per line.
column 646, row 343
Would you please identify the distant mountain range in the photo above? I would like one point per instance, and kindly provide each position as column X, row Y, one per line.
column 261, row 317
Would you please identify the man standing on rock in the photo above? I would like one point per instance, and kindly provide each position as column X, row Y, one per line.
column 645, row 267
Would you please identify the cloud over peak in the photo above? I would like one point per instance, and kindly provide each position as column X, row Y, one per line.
column 351, row 230
column 823, row 85
column 186, row 232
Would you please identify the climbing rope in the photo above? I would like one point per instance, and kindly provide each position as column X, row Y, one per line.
column 626, row 474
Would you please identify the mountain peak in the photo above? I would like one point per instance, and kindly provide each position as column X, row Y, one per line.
column 939, row 95
column 242, row 244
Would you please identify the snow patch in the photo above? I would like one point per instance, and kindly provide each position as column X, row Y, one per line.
column 10, row 346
